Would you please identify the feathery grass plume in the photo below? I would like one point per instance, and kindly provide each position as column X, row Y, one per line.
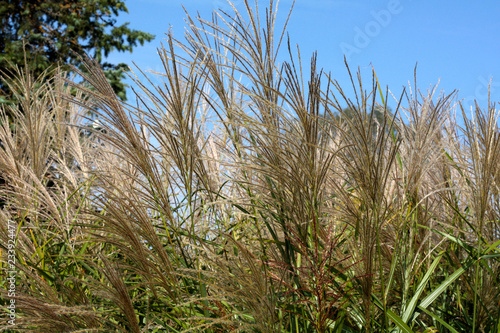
column 44, row 191
column 361, row 185
column 479, row 160
column 136, row 222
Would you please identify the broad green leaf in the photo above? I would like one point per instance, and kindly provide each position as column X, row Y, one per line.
column 413, row 303
column 442, row 287
column 394, row 317
column 398, row 321
column 441, row 321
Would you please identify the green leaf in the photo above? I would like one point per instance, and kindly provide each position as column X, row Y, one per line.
column 441, row 321
column 441, row 288
column 394, row 317
column 413, row 302
column 398, row 321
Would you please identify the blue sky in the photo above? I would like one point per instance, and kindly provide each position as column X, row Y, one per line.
column 456, row 42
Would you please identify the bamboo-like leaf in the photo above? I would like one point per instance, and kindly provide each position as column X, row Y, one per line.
column 441, row 288
column 441, row 321
column 394, row 317
column 413, row 302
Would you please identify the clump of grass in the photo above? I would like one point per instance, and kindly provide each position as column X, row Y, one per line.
column 45, row 163
column 239, row 196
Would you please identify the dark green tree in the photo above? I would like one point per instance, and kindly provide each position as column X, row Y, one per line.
column 60, row 31
column 375, row 115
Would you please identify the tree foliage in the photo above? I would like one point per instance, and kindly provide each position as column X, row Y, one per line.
column 59, row 31
column 373, row 119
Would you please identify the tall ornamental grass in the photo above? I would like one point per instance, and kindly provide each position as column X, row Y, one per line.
column 246, row 190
